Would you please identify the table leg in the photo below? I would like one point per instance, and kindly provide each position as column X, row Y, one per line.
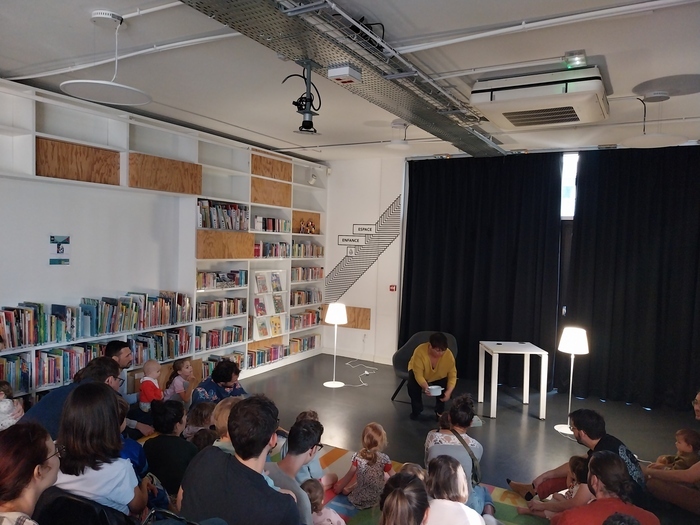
column 543, row 385
column 494, row 384
column 480, row 388
column 526, row 380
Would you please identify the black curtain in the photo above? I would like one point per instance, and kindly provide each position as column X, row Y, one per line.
column 481, row 256
column 635, row 275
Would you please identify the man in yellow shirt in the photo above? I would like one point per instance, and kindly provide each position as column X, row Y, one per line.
column 432, row 363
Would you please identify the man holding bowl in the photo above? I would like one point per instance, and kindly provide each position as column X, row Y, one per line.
column 432, row 365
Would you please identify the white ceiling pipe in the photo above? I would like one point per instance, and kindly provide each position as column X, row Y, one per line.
column 153, row 49
column 141, row 12
column 551, row 22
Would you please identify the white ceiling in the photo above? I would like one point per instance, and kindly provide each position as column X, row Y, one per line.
column 233, row 85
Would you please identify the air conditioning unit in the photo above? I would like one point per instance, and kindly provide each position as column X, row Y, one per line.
column 562, row 98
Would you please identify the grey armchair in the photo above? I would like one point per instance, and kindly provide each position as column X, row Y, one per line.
column 403, row 355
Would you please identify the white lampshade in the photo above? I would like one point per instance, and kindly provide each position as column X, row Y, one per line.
column 573, row 341
column 336, row 314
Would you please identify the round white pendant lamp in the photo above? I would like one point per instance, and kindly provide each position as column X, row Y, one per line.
column 107, row 91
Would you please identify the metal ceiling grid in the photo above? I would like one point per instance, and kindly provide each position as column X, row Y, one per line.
column 329, row 42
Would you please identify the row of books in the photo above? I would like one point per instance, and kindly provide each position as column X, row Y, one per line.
column 266, row 355
column 308, row 273
column 266, row 250
column 302, row 344
column 30, row 324
column 161, row 345
column 271, row 224
column 222, row 215
column 209, row 364
column 265, row 282
column 207, row 280
column 224, row 307
column 306, row 249
column 15, row 369
column 304, row 297
column 217, row 337
column 304, row 320
column 263, row 306
column 270, row 326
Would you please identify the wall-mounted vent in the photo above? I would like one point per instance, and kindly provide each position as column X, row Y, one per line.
column 549, row 99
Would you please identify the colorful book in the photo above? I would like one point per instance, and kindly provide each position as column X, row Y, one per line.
column 261, row 283
column 260, row 309
column 263, row 330
column 276, row 282
column 275, row 325
column 279, row 303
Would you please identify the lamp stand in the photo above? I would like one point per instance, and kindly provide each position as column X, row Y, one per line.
column 334, row 383
column 564, row 429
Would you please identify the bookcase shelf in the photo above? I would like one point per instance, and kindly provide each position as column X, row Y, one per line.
column 145, row 235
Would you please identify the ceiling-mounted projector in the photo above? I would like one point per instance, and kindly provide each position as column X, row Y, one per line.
column 562, row 98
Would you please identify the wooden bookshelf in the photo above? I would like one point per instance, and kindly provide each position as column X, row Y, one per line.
column 222, row 244
column 298, row 215
column 270, row 192
column 280, row 168
column 157, row 173
column 68, row 161
column 360, row 318
column 264, row 343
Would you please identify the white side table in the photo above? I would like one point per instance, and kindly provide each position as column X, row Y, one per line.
column 495, row 348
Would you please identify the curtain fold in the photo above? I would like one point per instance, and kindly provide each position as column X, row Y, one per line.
column 635, row 275
column 481, row 254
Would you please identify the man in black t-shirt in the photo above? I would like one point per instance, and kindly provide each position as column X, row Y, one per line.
column 231, row 487
column 588, row 427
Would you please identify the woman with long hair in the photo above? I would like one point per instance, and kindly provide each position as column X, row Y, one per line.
column 29, row 463
column 404, row 501
column 91, row 465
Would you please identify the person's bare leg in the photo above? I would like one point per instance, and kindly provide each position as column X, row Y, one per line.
column 676, row 493
column 328, row 480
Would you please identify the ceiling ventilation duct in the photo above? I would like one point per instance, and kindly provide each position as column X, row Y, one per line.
column 563, row 98
column 321, row 32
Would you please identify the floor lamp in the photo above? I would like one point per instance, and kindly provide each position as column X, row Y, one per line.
column 335, row 315
column 574, row 342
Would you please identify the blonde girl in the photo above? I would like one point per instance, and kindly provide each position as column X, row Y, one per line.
column 369, row 470
column 180, row 384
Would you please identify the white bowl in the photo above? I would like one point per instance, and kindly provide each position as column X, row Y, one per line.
column 435, row 390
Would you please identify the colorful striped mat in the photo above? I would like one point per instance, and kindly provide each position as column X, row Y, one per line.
column 337, row 460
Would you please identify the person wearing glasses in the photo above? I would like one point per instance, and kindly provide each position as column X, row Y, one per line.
column 679, row 487
column 29, row 463
column 303, row 443
column 432, row 364
column 48, row 410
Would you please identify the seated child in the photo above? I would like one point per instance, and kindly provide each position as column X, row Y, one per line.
column 688, row 452
column 150, row 389
column 199, row 417
column 203, row 438
column 578, row 474
column 415, row 470
column 369, row 470
column 180, row 384
column 322, row 515
column 9, row 411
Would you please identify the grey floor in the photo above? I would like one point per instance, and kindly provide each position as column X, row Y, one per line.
column 516, row 444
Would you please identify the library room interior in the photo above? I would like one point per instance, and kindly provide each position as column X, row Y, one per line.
column 317, row 259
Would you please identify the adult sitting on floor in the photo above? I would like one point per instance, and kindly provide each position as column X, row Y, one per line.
column 588, row 427
column 431, row 364
column 231, row 487
column 303, row 443
column 452, row 441
column 679, row 487
column 49, row 409
column 222, row 383
column 610, row 482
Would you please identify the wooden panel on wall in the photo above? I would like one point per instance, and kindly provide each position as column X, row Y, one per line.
column 257, row 345
column 297, row 216
column 157, row 173
column 271, row 168
column 64, row 160
column 218, row 244
column 359, row 318
column 270, row 192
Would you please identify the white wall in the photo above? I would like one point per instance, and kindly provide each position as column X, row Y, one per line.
column 359, row 192
column 120, row 241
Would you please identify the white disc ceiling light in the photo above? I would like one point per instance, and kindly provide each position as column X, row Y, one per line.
column 107, row 91
column 653, row 140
